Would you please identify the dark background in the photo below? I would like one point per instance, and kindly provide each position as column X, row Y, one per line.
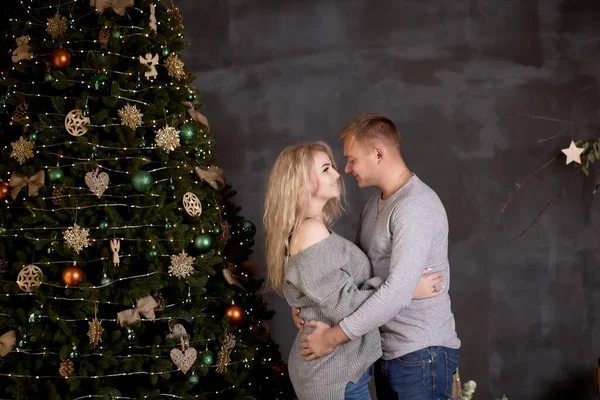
column 458, row 77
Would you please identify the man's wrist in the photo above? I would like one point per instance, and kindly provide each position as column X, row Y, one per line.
column 337, row 336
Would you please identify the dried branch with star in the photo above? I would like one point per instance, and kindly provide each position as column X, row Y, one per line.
column 583, row 154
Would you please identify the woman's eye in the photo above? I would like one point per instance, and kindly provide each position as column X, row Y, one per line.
column 326, row 169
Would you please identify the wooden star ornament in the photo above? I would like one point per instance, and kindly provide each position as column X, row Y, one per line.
column 573, row 153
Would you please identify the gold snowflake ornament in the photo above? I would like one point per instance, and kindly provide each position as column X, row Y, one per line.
column 22, row 150
column 181, row 265
column 167, row 138
column 77, row 237
column 130, row 116
column 175, row 66
column 57, row 26
column 95, row 332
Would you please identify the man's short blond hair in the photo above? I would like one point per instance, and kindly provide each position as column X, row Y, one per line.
column 374, row 129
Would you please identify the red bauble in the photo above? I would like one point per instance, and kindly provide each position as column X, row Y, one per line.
column 72, row 276
column 235, row 314
column 60, row 58
column 3, row 190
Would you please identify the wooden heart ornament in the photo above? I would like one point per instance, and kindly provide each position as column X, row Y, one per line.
column 97, row 182
column 184, row 359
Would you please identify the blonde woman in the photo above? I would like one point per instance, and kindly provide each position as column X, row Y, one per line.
column 318, row 271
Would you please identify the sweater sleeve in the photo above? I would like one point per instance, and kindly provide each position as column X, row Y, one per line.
column 335, row 291
column 413, row 225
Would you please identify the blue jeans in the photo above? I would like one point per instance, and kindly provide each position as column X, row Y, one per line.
column 360, row 389
column 425, row 374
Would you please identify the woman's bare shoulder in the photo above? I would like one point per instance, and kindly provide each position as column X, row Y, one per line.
column 311, row 231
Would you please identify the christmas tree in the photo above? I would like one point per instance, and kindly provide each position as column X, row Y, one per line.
column 124, row 267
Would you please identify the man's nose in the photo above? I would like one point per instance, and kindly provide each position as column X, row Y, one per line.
column 347, row 168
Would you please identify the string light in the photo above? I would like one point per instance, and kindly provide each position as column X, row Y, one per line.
column 114, row 319
column 89, row 376
column 81, row 299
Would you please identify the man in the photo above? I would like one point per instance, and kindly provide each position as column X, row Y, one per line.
column 403, row 229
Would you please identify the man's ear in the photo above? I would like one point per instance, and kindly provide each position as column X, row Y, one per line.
column 379, row 153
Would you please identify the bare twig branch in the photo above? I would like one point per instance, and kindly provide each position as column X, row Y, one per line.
column 574, row 58
column 520, row 185
column 549, row 119
column 571, row 125
column 588, row 87
column 559, row 194
column 554, row 137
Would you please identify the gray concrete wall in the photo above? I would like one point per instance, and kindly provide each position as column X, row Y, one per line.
column 458, row 78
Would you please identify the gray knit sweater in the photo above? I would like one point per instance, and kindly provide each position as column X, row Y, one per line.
column 402, row 236
column 328, row 281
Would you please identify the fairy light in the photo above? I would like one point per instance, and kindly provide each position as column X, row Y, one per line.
column 113, row 319
column 89, row 376
column 81, row 299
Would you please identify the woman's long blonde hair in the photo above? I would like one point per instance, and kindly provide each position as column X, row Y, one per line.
column 286, row 202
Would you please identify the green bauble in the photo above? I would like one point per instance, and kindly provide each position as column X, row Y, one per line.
column 116, row 34
column 2, row 229
column 206, row 358
column 23, row 342
column 172, row 187
column 216, row 230
column 199, row 154
column 50, row 250
column 190, row 97
column 48, row 77
column 142, row 181
column 188, row 300
column 248, row 228
column 74, row 353
column 131, row 336
column 168, row 225
column 103, row 225
column 100, row 82
column 93, row 154
column 203, row 242
column 153, row 253
column 187, row 133
column 55, row 174
column 85, row 112
column 165, row 52
column 35, row 315
column 32, row 136
column 105, row 281
column 193, row 379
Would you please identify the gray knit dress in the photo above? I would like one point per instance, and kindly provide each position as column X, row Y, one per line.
column 328, row 281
